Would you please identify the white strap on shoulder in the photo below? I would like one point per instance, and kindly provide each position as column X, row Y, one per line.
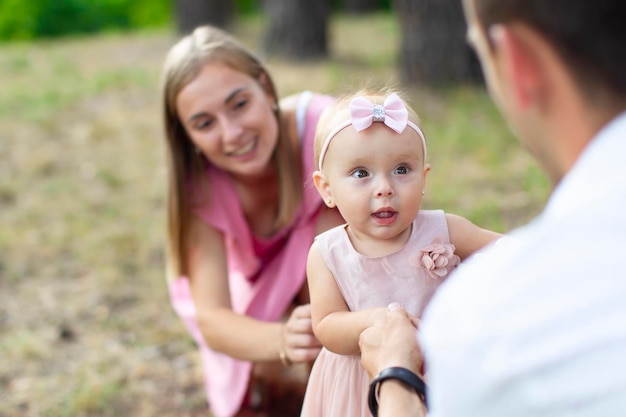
column 301, row 108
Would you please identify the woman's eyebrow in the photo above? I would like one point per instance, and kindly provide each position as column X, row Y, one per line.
column 234, row 93
column 197, row 116
column 228, row 99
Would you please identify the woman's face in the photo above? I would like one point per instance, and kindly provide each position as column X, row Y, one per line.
column 228, row 116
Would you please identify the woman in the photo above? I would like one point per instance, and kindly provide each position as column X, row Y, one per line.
column 242, row 214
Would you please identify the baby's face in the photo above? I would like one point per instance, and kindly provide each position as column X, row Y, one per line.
column 376, row 178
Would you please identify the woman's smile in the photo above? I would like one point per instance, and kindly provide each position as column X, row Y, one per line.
column 245, row 151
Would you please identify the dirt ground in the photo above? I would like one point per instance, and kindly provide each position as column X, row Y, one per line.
column 86, row 328
column 85, row 324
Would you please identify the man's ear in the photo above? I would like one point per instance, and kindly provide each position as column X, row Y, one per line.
column 519, row 62
column 323, row 188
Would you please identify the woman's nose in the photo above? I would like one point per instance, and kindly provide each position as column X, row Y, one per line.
column 231, row 130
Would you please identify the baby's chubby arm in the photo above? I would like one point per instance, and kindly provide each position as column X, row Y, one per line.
column 467, row 237
column 335, row 326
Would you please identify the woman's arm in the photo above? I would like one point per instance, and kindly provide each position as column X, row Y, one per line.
column 334, row 325
column 233, row 334
column 467, row 237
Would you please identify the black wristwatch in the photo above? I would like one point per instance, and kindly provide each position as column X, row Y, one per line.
column 398, row 373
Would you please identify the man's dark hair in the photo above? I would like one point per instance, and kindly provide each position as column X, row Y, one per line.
column 589, row 35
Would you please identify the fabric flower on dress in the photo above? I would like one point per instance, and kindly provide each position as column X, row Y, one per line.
column 437, row 258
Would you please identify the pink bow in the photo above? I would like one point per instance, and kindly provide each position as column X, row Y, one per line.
column 393, row 113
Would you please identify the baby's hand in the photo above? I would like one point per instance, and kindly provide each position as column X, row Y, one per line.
column 378, row 315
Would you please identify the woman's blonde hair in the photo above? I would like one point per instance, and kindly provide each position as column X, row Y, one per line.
column 183, row 63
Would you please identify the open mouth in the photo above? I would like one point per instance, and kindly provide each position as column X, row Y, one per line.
column 245, row 150
column 385, row 216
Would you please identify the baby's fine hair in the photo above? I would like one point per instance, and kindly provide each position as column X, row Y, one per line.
column 339, row 111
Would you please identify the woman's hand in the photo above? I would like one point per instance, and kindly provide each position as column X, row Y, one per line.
column 391, row 341
column 299, row 342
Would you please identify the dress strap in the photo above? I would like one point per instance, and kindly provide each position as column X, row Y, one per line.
column 303, row 104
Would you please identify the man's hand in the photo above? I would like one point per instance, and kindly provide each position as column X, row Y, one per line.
column 391, row 341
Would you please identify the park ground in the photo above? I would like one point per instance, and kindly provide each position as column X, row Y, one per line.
column 86, row 328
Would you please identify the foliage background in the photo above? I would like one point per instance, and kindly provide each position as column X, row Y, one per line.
column 31, row 19
column 86, row 328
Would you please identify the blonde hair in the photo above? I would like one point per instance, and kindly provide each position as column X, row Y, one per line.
column 339, row 111
column 183, row 63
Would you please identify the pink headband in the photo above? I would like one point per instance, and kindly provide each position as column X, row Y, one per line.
column 392, row 113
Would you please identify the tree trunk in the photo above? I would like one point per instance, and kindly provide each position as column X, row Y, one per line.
column 298, row 29
column 360, row 6
column 434, row 49
column 194, row 13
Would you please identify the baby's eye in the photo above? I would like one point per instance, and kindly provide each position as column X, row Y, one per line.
column 402, row 170
column 360, row 173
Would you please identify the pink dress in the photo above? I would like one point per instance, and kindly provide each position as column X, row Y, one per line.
column 338, row 384
column 265, row 274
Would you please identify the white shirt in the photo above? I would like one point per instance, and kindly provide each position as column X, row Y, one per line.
column 536, row 325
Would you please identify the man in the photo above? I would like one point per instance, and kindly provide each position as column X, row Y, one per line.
column 535, row 325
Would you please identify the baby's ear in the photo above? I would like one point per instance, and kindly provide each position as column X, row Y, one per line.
column 323, row 188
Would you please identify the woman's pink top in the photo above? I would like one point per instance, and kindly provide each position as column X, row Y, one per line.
column 265, row 274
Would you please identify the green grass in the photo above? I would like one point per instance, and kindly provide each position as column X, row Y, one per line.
column 82, row 181
column 479, row 169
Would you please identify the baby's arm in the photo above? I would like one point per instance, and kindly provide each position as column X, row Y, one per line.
column 467, row 237
column 336, row 327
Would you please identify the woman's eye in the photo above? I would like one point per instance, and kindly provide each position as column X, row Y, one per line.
column 402, row 170
column 240, row 104
column 360, row 173
column 203, row 124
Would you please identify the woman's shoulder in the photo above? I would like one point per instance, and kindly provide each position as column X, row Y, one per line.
column 288, row 111
column 299, row 114
column 295, row 108
column 297, row 101
column 289, row 104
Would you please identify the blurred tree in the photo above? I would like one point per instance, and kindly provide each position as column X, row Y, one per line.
column 193, row 13
column 434, row 48
column 360, row 6
column 298, row 29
